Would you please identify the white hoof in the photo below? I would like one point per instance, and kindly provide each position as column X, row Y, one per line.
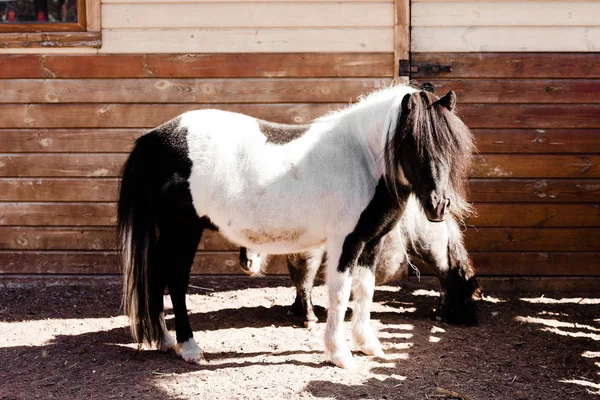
column 310, row 324
column 369, row 346
column 342, row 358
column 190, row 351
column 167, row 342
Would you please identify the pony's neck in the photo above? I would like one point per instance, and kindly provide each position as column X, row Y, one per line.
column 372, row 121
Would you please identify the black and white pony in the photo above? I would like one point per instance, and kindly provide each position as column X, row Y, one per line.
column 341, row 181
column 414, row 240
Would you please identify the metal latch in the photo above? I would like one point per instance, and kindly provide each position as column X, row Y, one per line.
column 422, row 69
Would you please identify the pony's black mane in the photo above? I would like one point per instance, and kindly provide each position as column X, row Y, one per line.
column 438, row 135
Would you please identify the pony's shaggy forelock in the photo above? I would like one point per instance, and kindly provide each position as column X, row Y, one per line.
column 438, row 135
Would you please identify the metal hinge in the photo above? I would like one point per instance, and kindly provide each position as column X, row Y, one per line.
column 422, row 69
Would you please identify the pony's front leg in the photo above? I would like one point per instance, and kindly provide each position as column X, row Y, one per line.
column 339, row 284
column 363, row 287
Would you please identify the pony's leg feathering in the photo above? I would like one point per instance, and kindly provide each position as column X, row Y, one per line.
column 339, row 284
column 363, row 287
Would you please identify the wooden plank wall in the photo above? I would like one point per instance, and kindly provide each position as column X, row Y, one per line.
column 203, row 26
column 69, row 121
column 501, row 25
column 536, row 181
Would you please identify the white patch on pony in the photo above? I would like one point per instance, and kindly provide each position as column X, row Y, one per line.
column 339, row 285
column 363, row 287
column 190, row 351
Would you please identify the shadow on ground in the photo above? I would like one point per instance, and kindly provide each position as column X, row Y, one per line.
column 70, row 342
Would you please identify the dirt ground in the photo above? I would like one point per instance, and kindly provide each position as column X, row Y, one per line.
column 69, row 341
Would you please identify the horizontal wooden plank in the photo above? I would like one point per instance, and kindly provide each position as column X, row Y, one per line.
column 97, row 165
column 536, row 166
column 485, row 165
column 521, row 90
column 143, row 115
column 211, row 91
column 236, row 1
column 492, row 39
column 121, row 140
column 481, row 190
column 480, row 239
column 581, row 116
column 486, row 263
column 107, row 262
column 60, row 189
column 63, row 116
column 50, row 39
column 534, row 215
column 493, row 13
column 68, row 140
column 253, row 40
column 533, row 239
column 75, row 214
column 531, row 264
column 534, row 190
column 511, row 65
column 240, row 65
column 248, row 15
column 536, row 140
column 488, row 214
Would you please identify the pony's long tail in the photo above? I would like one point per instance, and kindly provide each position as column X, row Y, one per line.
column 137, row 230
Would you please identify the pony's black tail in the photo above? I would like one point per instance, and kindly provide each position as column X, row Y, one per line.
column 137, row 230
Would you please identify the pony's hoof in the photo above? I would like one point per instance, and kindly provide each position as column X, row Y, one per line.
column 342, row 359
column 190, row 351
column 372, row 349
column 310, row 324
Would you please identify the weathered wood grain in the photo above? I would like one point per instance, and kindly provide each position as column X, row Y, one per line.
column 190, row 90
column 107, row 263
column 485, row 166
column 116, row 140
column 532, row 239
column 254, row 40
column 488, row 214
column 531, row 264
column 50, row 39
column 536, row 166
column 49, row 214
column 142, row 115
column 481, row 190
column 59, row 189
column 511, row 65
column 239, row 65
column 111, row 140
column 247, row 15
column 537, row 140
column 534, row 190
column 521, row 90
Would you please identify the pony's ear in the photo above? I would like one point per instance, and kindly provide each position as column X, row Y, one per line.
column 448, row 101
column 409, row 102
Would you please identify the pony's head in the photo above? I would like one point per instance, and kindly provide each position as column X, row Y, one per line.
column 430, row 153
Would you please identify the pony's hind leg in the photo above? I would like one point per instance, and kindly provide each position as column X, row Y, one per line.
column 303, row 269
column 178, row 240
column 157, row 283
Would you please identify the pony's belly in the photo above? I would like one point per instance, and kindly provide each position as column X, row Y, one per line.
column 274, row 240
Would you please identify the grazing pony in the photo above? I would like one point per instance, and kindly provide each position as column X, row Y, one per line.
column 415, row 239
column 341, row 181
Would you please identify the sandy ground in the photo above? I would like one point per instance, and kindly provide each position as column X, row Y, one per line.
column 70, row 342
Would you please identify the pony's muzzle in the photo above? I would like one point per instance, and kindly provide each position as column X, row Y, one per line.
column 437, row 208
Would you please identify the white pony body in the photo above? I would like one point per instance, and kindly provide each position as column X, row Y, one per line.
column 288, row 198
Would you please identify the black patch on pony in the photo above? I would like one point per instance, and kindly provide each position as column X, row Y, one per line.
column 363, row 244
column 155, row 206
column 281, row 133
